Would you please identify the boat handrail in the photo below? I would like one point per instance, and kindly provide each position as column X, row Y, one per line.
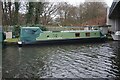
column 80, row 30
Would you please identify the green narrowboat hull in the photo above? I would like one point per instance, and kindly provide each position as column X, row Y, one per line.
column 31, row 35
column 67, row 41
column 2, row 36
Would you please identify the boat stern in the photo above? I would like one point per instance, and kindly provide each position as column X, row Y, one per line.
column 29, row 34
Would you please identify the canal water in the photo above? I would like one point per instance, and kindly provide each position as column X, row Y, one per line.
column 0, row 61
column 87, row 60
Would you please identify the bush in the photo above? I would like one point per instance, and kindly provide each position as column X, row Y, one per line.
column 16, row 31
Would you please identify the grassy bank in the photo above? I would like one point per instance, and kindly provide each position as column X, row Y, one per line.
column 11, row 40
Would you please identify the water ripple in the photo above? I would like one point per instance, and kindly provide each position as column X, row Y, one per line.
column 63, row 61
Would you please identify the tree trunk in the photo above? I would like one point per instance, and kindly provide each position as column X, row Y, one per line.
column 10, row 18
column 16, row 13
column 29, row 15
column 0, row 13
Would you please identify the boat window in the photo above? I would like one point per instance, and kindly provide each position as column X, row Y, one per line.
column 88, row 34
column 77, row 34
column 47, row 35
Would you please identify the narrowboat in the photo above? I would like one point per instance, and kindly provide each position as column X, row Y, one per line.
column 2, row 35
column 1, row 38
column 29, row 35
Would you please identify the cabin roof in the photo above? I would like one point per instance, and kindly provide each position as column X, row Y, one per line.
column 81, row 31
column 74, row 31
column 30, row 27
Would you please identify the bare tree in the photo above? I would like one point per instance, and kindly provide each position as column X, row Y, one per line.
column 34, row 9
column 47, row 12
column 68, row 14
column 16, row 12
column 92, row 10
column 50, row 11
column 38, row 11
column 0, row 13
column 9, row 9
column 10, row 16
column 29, row 15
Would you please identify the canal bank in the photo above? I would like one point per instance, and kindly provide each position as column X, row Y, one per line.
column 87, row 60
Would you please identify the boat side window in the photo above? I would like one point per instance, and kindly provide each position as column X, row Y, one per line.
column 47, row 35
column 88, row 34
column 77, row 34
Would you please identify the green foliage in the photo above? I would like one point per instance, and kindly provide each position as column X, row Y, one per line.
column 12, row 40
column 16, row 31
column 35, row 9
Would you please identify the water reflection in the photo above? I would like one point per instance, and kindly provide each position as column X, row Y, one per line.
column 73, row 60
column 0, row 60
column 116, row 59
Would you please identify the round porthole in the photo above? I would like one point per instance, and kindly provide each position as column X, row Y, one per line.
column 47, row 35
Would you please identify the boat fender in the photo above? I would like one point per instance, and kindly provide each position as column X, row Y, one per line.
column 19, row 43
